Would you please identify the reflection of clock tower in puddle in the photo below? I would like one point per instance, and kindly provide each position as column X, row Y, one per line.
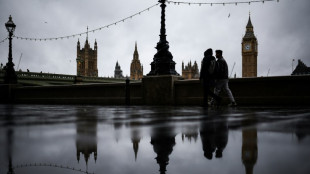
column 249, row 149
column 249, row 52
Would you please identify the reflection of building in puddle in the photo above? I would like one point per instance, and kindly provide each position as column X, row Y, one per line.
column 302, row 129
column 190, row 133
column 135, row 139
column 214, row 137
column 249, row 149
column 134, row 131
column 86, row 134
column 117, row 130
column 163, row 140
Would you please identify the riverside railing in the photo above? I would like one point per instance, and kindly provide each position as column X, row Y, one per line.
column 61, row 77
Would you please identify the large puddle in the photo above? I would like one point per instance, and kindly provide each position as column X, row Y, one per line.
column 61, row 139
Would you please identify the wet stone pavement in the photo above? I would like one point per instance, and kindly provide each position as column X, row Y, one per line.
column 62, row 139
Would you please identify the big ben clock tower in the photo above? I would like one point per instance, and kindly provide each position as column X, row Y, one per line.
column 249, row 52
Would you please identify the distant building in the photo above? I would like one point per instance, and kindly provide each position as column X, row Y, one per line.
column 190, row 71
column 87, row 60
column 301, row 69
column 249, row 52
column 118, row 73
column 136, row 69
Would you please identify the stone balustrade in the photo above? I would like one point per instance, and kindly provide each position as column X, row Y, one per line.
column 27, row 77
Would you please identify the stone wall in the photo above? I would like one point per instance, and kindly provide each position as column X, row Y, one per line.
column 165, row 90
column 105, row 94
column 284, row 90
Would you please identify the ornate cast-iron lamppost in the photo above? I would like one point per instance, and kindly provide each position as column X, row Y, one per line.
column 162, row 62
column 10, row 75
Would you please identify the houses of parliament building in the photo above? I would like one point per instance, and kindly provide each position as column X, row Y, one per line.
column 87, row 60
column 136, row 69
column 87, row 63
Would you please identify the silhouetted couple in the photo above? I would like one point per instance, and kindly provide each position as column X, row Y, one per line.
column 214, row 74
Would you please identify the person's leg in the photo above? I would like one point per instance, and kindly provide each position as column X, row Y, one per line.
column 215, row 94
column 219, row 86
column 205, row 95
column 228, row 91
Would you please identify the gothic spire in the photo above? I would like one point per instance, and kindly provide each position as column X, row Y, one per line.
column 86, row 42
column 95, row 47
column 136, row 54
column 87, row 34
column 249, row 25
column 249, row 29
column 136, row 46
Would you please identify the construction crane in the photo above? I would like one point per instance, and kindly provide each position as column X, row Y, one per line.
column 20, row 58
column 232, row 69
column 268, row 72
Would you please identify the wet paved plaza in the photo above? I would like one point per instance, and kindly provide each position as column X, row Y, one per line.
column 61, row 139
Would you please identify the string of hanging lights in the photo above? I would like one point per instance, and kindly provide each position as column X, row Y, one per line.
column 220, row 3
column 138, row 13
column 3, row 40
column 83, row 33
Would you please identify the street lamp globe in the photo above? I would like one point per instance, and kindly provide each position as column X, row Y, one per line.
column 10, row 26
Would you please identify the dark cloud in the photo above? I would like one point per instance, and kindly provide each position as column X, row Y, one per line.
column 281, row 30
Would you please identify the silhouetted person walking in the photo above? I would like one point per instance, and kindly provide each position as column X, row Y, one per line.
column 221, row 76
column 207, row 76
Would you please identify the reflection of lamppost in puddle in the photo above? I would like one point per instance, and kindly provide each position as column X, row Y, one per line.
column 163, row 141
column 9, row 151
column 9, row 137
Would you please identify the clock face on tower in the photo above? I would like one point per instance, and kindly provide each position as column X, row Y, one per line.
column 247, row 47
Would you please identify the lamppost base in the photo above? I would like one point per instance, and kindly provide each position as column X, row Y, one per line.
column 10, row 76
column 163, row 68
column 162, row 62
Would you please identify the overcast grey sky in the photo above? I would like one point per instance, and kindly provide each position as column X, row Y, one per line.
column 280, row 27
